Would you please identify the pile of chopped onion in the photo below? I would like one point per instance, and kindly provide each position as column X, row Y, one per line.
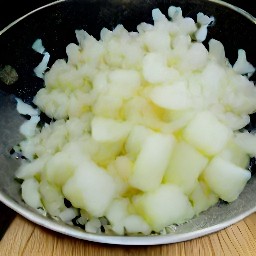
column 147, row 128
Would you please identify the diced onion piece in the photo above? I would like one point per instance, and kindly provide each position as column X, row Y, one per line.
column 38, row 46
column 28, row 128
column 246, row 141
column 242, row 66
column 30, row 193
column 68, row 214
column 175, row 13
column 93, row 225
column 204, row 21
column 216, row 49
column 26, row 109
column 42, row 66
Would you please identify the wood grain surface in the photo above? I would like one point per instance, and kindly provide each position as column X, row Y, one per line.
column 26, row 238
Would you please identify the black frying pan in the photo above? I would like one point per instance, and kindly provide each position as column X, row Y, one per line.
column 56, row 25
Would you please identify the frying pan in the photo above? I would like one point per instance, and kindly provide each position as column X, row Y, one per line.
column 55, row 24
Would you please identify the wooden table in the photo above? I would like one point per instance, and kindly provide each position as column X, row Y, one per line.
column 26, row 238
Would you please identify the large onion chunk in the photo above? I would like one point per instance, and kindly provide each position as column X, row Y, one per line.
column 146, row 131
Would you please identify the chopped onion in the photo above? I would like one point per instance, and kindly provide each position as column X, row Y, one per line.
column 26, row 109
column 38, row 46
column 242, row 66
column 40, row 69
column 28, row 128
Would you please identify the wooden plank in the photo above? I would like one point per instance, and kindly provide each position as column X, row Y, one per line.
column 26, row 238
